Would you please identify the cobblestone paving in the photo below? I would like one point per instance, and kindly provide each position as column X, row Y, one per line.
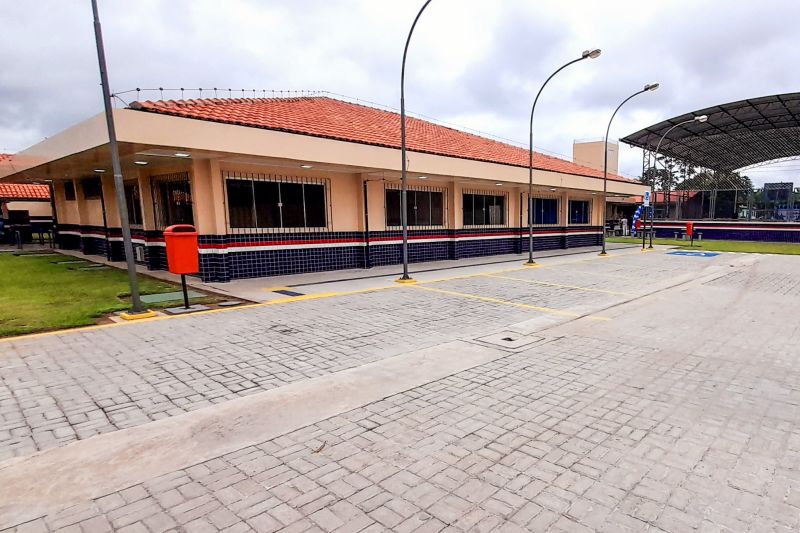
column 57, row 389
column 578, row 434
column 679, row 415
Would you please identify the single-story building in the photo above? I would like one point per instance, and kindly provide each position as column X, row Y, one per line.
column 24, row 207
column 289, row 185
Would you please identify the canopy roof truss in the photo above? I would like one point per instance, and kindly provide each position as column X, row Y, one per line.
column 736, row 135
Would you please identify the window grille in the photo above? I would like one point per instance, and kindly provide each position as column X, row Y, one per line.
column 484, row 208
column 546, row 210
column 271, row 203
column 133, row 200
column 172, row 199
column 579, row 212
column 426, row 207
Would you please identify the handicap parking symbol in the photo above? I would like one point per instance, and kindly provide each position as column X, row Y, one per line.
column 693, row 254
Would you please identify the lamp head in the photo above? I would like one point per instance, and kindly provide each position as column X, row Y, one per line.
column 651, row 87
column 701, row 118
column 591, row 53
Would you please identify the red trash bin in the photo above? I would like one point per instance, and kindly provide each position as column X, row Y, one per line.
column 183, row 256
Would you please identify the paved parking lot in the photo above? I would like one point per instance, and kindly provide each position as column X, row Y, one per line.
column 643, row 392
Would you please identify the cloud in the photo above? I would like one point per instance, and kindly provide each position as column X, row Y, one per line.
column 475, row 63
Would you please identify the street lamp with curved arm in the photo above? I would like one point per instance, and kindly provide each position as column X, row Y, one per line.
column 648, row 87
column 587, row 54
column 405, row 278
column 700, row 118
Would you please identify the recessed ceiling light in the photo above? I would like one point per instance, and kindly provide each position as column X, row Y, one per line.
column 423, row 177
column 140, row 162
column 306, row 166
column 498, row 184
column 182, row 154
column 99, row 170
column 552, row 190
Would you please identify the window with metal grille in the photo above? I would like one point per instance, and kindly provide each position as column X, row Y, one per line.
column 133, row 199
column 483, row 209
column 172, row 199
column 425, row 207
column 92, row 188
column 578, row 211
column 545, row 211
column 266, row 202
column 69, row 191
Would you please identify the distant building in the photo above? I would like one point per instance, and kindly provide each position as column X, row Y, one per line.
column 779, row 193
column 25, row 207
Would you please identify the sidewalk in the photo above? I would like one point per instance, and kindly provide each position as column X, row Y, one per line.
column 261, row 289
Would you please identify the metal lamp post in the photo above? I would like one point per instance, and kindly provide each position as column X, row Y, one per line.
column 405, row 278
column 648, row 87
column 587, row 54
column 700, row 118
column 136, row 303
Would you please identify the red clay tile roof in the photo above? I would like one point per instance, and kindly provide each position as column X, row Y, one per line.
column 24, row 191
column 336, row 119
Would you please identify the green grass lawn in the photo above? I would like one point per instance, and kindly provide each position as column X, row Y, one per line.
column 38, row 294
column 721, row 246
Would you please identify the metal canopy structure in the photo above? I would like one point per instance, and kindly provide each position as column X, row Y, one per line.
column 736, row 135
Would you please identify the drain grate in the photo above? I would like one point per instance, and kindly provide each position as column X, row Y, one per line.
column 510, row 340
column 287, row 292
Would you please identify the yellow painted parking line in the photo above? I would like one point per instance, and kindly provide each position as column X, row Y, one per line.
column 489, row 299
column 561, row 286
column 302, row 298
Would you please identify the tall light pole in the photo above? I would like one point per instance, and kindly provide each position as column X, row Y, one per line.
column 136, row 303
column 405, row 278
column 648, row 87
column 700, row 118
column 585, row 55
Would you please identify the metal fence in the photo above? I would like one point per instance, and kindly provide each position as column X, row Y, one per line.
column 683, row 191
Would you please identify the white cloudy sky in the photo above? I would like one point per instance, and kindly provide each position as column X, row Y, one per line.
column 474, row 63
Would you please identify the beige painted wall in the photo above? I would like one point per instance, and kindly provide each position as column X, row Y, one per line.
column 34, row 209
column 590, row 154
column 90, row 211
column 68, row 212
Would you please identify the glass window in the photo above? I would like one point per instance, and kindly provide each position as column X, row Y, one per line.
column 393, row 208
column 484, row 210
column 423, row 208
column 69, row 191
column 133, row 200
column 92, row 188
column 578, row 211
column 314, row 197
column 545, row 211
column 174, row 203
column 240, row 203
column 267, row 204
column 272, row 204
column 292, row 205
